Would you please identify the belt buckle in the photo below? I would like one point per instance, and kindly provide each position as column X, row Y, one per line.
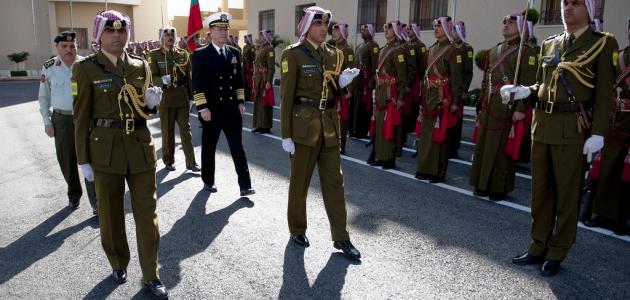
column 549, row 107
column 624, row 105
column 129, row 126
column 322, row 104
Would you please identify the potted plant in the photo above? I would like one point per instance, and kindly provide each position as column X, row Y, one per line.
column 17, row 58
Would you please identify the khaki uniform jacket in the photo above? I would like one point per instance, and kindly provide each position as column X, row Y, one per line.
column 265, row 59
column 95, row 94
column 302, row 79
column 348, row 60
column 180, row 91
column 367, row 58
column 420, row 54
column 562, row 128
column 392, row 62
column 449, row 64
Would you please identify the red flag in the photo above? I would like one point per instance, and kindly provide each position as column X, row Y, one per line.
column 194, row 24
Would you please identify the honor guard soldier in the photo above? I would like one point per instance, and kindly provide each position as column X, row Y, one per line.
column 219, row 96
column 502, row 125
column 610, row 202
column 249, row 55
column 361, row 105
column 340, row 36
column 467, row 53
column 443, row 88
column 55, row 92
column 311, row 82
column 392, row 86
column 263, row 96
column 420, row 53
column 170, row 67
column 407, row 119
column 112, row 100
column 573, row 83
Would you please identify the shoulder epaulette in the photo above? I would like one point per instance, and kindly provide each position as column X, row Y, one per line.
column 604, row 34
column 293, row 45
column 49, row 63
column 204, row 47
column 136, row 56
column 233, row 48
column 553, row 36
column 88, row 58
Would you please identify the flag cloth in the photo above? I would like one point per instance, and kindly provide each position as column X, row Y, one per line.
column 194, row 24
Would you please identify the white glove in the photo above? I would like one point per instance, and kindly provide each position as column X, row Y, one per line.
column 593, row 145
column 87, row 171
column 519, row 91
column 288, row 145
column 152, row 96
column 166, row 79
column 347, row 76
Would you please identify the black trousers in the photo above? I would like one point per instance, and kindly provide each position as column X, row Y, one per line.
column 226, row 118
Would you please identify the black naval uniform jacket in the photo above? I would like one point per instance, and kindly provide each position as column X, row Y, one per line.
column 217, row 83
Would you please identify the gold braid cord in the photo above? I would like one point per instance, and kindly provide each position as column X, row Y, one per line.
column 129, row 91
column 181, row 66
column 329, row 75
column 577, row 67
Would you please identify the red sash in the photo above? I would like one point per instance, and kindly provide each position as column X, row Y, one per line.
column 625, row 174
column 268, row 97
column 596, row 166
column 515, row 138
column 344, row 108
column 476, row 132
column 441, row 122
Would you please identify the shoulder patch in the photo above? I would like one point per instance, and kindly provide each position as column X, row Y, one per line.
column 412, row 52
column 285, row 66
column 74, row 87
column 401, row 58
column 615, row 58
column 87, row 58
column 375, row 50
column 350, row 57
column 49, row 63
column 470, row 54
column 459, row 59
column 532, row 60
column 271, row 53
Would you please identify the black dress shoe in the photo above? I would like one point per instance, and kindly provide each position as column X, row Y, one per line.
column 594, row 222
column 421, row 176
column 342, row 152
column 264, row 130
column 247, row 192
column 73, row 203
column 194, row 167
column 210, row 188
column 550, row 267
column 348, row 249
column 169, row 167
column 256, row 130
column 527, row 259
column 157, row 289
column 480, row 193
column 436, row 179
column 119, row 276
column 301, row 240
column 390, row 164
column 498, row 196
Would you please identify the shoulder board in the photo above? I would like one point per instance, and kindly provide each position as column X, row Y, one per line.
column 49, row 63
column 88, row 58
column 332, row 47
column 233, row 48
column 293, row 45
column 604, row 34
column 553, row 36
column 136, row 56
column 202, row 48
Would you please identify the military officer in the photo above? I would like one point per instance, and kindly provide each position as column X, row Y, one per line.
column 55, row 92
column 467, row 53
column 361, row 105
column 392, row 86
column 219, row 96
column 567, row 93
column 493, row 170
column 340, row 36
column 420, row 52
column 170, row 67
column 264, row 67
column 311, row 81
column 249, row 55
column 444, row 85
column 610, row 202
column 112, row 100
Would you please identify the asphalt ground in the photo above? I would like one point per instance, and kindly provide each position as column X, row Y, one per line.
column 418, row 240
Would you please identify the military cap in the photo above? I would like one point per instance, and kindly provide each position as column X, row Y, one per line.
column 65, row 36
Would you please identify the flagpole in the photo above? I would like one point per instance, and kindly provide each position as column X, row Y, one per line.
column 71, row 17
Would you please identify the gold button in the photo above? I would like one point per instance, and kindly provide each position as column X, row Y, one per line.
column 220, row 98
column 220, row 77
column 96, row 139
column 230, row 88
column 230, row 77
column 220, row 87
column 230, row 98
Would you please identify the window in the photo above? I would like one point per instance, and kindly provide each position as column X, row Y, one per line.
column 298, row 14
column 551, row 13
column 81, row 36
column 423, row 12
column 266, row 20
column 372, row 12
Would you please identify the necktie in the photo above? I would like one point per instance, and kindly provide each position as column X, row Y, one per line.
column 119, row 66
column 320, row 51
column 222, row 54
column 570, row 40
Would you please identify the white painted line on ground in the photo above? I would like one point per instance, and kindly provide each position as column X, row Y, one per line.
column 457, row 190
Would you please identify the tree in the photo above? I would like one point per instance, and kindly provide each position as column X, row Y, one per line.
column 17, row 58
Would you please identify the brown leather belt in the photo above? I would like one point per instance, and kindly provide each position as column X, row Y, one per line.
column 555, row 107
column 332, row 103
column 128, row 125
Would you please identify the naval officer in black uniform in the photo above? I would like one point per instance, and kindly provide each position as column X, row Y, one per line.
column 218, row 92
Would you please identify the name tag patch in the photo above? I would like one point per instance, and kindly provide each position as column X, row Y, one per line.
column 104, row 84
column 459, row 59
column 309, row 69
column 532, row 60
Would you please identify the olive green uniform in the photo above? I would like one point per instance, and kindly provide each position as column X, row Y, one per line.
column 445, row 61
column 264, row 67
column 406, row 111
column 174, row 107
column 117, row 156
column 361, row 102
column 611, row 194
column 248, row 57
column 348, row 62
column 391, row 73
column 557, row 140
column 314, row 131
column 493, row 170
column 455, row 134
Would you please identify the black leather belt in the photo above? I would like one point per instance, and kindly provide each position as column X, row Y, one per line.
column 63, row 112
column 325, row 104
column 128, row 125
column 555, row 107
